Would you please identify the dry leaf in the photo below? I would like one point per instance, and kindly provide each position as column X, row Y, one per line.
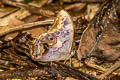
column 109, row 46
column 38, row 3
column 32, row 18
column 1, row 5
column 14, row 22
column 102, row 37
column 70, row 78
column 91, row 10
column 76, row 6
column 88, row 39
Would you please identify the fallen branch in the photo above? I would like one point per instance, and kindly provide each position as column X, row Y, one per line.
column 70, row 71
column 79, row 6
column 97, row 67
column 25, row 26
column 31, row 9
column 110, row 70
column 85, row 1
column 94, row 66
column 6, row 14
column 23, row 73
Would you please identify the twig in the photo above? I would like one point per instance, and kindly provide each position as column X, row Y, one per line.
column 26, row 26
column 110, row 70
column 94, row 66
column 73, row 72
column 79, row 6
column 97, row 67
column 40, row 4
column 31, row 9
column 15, row 58
column 11, row 52
column 12, row 11
column 85, row 1
column 23, row 73
column 4, row 67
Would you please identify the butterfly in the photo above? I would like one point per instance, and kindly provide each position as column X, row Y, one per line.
column 56, row 44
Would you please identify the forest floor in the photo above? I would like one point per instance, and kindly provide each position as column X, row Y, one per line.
column 96, row 41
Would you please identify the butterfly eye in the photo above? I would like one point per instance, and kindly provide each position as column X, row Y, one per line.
column 50, row 38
